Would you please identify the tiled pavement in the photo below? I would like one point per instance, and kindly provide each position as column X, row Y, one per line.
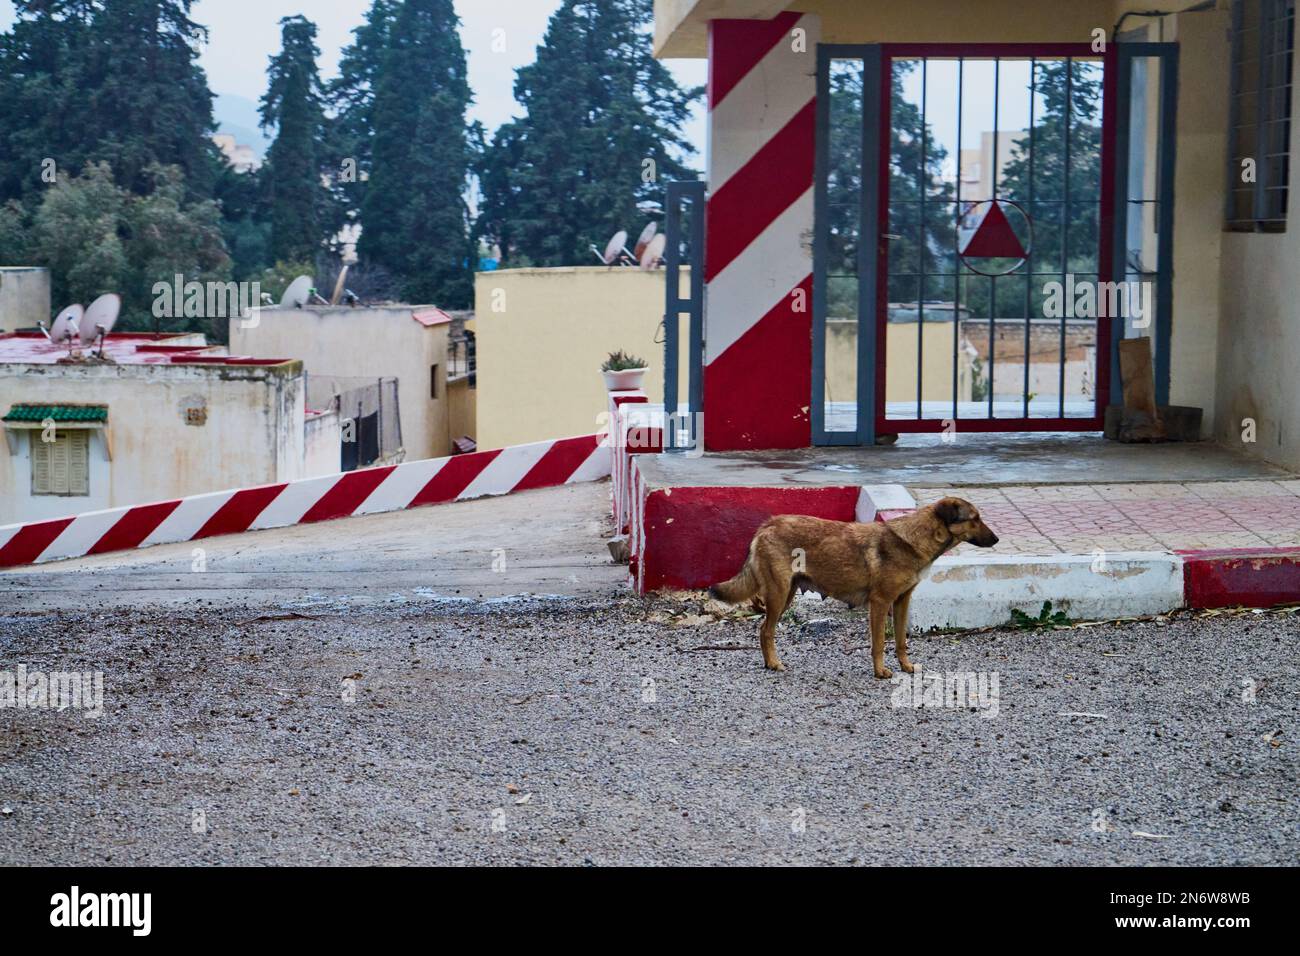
column 1081, row 519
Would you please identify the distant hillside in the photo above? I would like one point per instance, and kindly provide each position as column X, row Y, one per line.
column 238, row 116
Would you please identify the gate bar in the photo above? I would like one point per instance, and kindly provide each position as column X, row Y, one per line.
column 692, row 193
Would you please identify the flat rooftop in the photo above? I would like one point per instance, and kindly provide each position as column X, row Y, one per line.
column 125, row 348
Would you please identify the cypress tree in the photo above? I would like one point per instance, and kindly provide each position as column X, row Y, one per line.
column 352, row 94
column 293, row 107
column 602, row 132
column 414, row 216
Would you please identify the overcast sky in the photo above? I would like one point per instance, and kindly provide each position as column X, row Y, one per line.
column 243, row 33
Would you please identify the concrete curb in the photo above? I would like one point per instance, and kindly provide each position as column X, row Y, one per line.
column 692, row 537
column 981, row 590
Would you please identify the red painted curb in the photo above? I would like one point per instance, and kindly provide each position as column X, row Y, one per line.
column 1249, row 577
column 695, row 537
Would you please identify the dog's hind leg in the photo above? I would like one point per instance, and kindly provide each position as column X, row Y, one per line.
column 901, row 605
column 794, row 593
column 767, row 633
column 879, row 611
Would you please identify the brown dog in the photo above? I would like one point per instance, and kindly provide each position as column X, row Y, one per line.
column 871, row 565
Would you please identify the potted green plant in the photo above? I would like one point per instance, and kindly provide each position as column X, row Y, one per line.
column 622, row 371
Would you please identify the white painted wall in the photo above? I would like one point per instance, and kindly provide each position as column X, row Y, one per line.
column 31, row 507
column 379, row 342
column 1259, row 333
column 322, row 443
column 253, row 434
column 24, row 297
column 1200, row 179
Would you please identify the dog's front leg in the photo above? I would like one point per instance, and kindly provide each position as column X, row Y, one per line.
column 879, row 611
column 900, row 630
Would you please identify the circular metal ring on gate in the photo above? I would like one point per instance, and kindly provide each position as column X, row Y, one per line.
column 994, row 238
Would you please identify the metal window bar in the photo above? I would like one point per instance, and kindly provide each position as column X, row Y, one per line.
column 1261, row 110
column 921, row 248
column 957, row 276
column 1029, row 262
column 1267, row 46
column 993, row 175
column 1065, row 218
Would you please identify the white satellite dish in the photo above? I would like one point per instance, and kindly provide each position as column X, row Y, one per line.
column 65, row 325
column 643, row 240
column 99, row 318
column 654, row 252
column 298, row 294
column 614, row 247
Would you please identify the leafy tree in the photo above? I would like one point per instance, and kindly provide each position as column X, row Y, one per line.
column 146, row 101
column 352, row 96
column 13, row 234
column 1064, row 239
column 293, row 107
column 169, row 236
column 40, row 103
column 97, row 237
column 78, row 233
column 601, row 133
column 931, row 249
column 414, row 217
column 245, row 221
column 91, row 80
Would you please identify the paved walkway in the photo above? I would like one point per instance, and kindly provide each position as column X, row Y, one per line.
column 1079, row 519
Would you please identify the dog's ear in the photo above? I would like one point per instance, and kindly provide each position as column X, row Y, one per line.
column 952, row 510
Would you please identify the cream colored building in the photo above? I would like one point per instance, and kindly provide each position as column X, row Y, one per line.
column 542, row 336
column 540, row 356
column 161, row 419
column 343, row 348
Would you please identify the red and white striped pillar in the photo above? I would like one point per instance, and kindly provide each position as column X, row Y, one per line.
column 758, row 252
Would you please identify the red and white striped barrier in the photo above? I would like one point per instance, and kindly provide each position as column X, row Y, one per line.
column 635, row 429
column 367, row 491
column 758, row 267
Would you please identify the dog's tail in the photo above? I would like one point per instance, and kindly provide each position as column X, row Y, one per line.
column 740, row 588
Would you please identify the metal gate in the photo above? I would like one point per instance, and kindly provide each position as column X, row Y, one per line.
column 971, row 247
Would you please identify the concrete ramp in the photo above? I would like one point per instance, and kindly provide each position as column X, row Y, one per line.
column 548, row 541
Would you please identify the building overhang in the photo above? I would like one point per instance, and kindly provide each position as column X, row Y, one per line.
column 682, row 26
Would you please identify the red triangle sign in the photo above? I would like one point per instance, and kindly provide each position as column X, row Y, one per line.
column 994, row 238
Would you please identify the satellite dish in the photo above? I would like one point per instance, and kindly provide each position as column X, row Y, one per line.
column 298, row 293
column 99, row 318
column 614, row 247
column 643, row 240
column 654, row 252
column 66, row 324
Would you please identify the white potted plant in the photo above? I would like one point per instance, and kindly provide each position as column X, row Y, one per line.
column 623, row 372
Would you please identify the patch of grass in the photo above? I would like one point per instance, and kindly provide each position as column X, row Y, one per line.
column 1046, row 618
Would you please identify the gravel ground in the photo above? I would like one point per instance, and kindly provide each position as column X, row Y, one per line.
column 524, row 731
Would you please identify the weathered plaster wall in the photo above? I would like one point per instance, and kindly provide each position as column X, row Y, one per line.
column 252, row 431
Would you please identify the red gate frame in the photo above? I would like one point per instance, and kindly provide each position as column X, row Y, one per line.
column 1106, row 218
